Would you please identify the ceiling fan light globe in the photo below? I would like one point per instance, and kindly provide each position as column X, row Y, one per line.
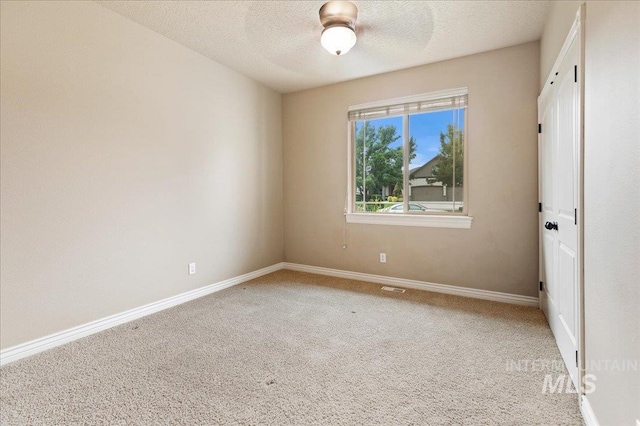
column 338, row 40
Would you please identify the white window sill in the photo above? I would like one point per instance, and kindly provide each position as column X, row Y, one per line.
column 429, row 221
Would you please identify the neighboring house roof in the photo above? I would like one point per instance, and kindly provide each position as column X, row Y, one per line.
column 424, row 170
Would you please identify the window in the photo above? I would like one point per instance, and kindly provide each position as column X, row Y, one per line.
column 407, row 161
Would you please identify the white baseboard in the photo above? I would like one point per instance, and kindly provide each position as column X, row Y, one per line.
column 587, row 412
column 33, row 347
column 418, row 285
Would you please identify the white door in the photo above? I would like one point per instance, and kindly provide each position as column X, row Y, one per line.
column 559, row 186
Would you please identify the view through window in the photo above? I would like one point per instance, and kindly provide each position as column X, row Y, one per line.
column 409, row 158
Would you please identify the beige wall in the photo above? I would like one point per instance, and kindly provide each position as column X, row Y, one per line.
column 499, row 253
column 612, row 212
column 124, row 157
column 559, row 20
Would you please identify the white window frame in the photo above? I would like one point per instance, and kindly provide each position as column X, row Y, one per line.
column 460, row 220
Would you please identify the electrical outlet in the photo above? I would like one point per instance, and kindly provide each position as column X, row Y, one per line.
column 192, row 268
column 383, row 257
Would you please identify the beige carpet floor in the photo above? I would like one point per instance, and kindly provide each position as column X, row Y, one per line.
column 294, row 348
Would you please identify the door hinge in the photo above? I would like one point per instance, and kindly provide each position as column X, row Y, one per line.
column 539, row 127
column 539, row 207
column 541, row 286
column 575, row 216
column 576, row 358
column 575, row 73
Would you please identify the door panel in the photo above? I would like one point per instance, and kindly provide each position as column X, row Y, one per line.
column 566, row 172
column 548, row 157
column 566, row 274
column 548, row 265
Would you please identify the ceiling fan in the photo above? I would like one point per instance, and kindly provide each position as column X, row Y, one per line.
column 339, row 21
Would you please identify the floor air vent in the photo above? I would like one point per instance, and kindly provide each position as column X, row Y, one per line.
column 393, row 289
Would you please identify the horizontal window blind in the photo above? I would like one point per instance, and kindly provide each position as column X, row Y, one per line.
column 437, row 104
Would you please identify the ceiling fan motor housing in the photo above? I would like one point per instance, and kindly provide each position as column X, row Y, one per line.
column 339, row 17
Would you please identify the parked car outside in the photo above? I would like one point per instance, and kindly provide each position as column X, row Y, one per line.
column 397, row 208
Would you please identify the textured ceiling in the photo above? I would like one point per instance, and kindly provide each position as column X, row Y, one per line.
column 278, row 42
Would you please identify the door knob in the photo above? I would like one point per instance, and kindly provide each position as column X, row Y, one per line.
column 551, row 225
